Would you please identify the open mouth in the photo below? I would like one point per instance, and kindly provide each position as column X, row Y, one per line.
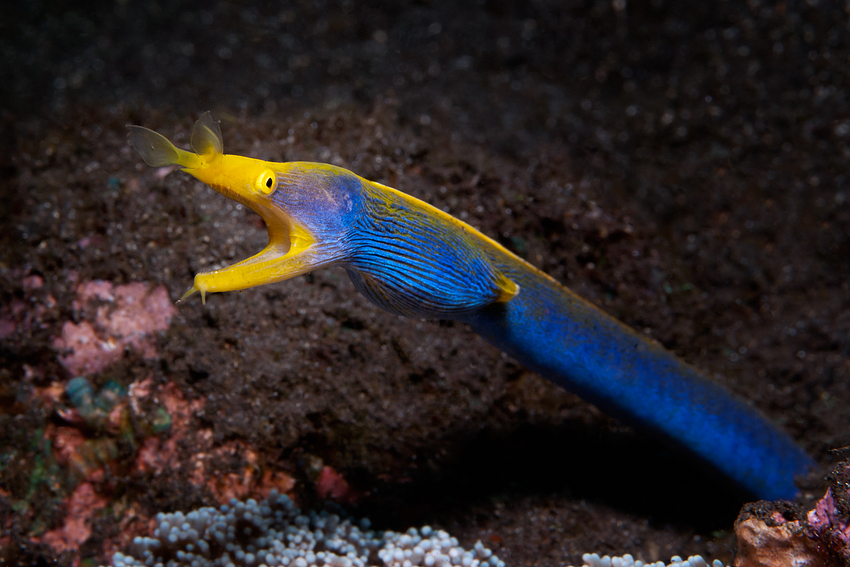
column 283, row 257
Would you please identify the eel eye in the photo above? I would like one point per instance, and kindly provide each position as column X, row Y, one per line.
column 267, row 182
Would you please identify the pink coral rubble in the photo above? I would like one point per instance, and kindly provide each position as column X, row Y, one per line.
column 824, row 516
column 331, row 484
column 127, row 317
column 81, row 507
column 89, row 352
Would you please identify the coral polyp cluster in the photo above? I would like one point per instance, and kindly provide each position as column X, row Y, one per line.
column 274, row 532
column 594, row 560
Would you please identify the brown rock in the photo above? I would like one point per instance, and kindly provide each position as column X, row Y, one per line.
column 785, row 545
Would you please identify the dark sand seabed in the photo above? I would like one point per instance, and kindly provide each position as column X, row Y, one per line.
column 682, row 165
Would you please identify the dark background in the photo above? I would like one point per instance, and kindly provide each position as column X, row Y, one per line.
column 683, row 165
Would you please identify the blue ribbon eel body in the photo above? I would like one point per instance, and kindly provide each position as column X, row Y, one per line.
column 415, row 260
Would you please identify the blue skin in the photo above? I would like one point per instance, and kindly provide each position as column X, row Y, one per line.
column 411, row 259
column 595, row 356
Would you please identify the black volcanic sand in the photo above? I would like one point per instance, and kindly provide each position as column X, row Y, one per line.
column 683, row 166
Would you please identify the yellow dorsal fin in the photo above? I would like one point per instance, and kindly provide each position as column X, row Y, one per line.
column 206, row 136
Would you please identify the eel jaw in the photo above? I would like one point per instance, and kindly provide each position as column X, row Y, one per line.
column 288, row 254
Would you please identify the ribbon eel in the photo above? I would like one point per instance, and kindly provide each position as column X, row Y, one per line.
column 415, row 260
